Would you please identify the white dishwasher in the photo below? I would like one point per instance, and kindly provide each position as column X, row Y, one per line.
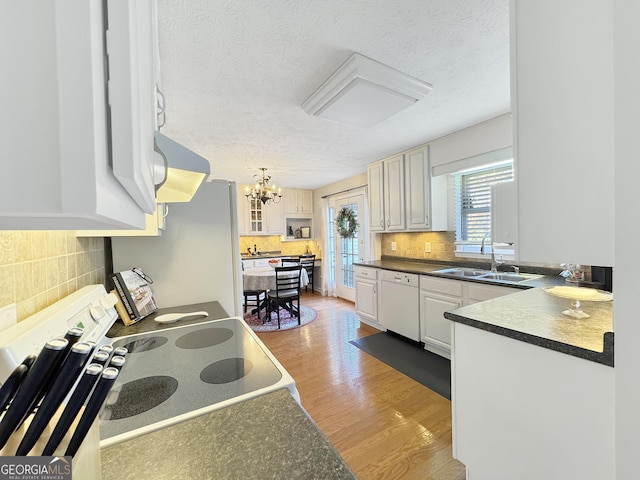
column 399, row 303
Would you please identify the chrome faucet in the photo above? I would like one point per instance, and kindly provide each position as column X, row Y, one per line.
column 494, row 262
column 483, row 240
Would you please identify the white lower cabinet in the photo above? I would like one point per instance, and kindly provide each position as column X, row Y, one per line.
column 476, row 292
column 367, row 295
column 438, row 295
column 390, row 300
column 508, row 395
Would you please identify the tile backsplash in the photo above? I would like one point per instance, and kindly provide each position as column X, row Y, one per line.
column 273, row 243
column 38, row 268
column 411, row 245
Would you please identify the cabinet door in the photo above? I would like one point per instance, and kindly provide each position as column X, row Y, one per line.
column 394, row 193
column 367, row 299
column 298, row 201
column 132, row 88
column 435, row 329
column 504, row 213
column 417, row 189
column 274, row 218
column 290, row 196
column 376, row 197
column 59, row 176
column 564, row 144
column 305, row 201
column 256, row 216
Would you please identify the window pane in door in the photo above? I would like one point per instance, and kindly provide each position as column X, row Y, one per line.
column 331, row 228
column 349, row 254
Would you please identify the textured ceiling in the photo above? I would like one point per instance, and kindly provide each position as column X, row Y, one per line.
column 236, row 72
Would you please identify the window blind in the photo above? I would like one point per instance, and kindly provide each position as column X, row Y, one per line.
column 473, row 194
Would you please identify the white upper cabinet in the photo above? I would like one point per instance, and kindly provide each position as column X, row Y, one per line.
column 425, row 196
column 394, row 193
column 256, row 218
column 132, row 97
column 298, row 201
column 274, row 222
column 562, row 100
column 375, row 173
column 404, row 196
column 57, row 129
column 504, row 213
column 386, row 194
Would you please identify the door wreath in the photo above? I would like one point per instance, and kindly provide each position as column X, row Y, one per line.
column 346, row 223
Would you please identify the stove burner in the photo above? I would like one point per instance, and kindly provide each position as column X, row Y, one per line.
column 140, row 395
column 141, row 345
column 206, row 337
column 226, row 371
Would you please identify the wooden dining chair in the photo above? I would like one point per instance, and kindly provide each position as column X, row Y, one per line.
column 254, row 298
column 290, row 262
column 286, row 293
column 308, row 262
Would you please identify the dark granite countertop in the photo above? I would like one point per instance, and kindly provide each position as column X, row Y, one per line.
column 246, row 256
column 270, row 255
column 269, row 436
column 147, row 324
column 545, row 277
column 534, row 316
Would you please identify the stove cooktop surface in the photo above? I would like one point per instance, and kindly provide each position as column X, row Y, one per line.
column 178, row 373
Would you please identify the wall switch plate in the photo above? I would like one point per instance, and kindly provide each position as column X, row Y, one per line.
column 427, row 247
column 8, row 316
column 393, row 246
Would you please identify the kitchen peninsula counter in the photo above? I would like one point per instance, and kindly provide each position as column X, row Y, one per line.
column 269, row 436
column 535, row 317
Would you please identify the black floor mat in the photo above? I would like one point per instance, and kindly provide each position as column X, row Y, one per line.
column 431, row 370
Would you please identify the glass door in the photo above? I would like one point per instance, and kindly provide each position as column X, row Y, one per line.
column 348, row 250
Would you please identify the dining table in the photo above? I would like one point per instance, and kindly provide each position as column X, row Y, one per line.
column 264, row 279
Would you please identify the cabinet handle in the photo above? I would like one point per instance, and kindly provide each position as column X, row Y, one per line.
column 382, row 223
column 388, row 223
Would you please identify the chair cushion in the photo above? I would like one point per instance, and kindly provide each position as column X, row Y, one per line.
column 284, row 293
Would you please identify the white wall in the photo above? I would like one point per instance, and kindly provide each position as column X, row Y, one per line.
column 333, row 188
column 627, row 172
column 478, row 139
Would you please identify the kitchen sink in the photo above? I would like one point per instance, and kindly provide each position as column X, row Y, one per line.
column 478, row 274
column 505, row 277
column 463, row 272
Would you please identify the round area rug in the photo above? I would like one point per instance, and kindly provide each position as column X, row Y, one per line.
column 287, row 322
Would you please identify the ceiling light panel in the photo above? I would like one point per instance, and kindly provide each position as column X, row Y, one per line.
column 363, row 92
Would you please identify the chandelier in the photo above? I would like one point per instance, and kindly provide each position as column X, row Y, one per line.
column 262, row 191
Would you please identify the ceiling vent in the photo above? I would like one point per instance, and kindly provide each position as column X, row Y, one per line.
column 363, row 92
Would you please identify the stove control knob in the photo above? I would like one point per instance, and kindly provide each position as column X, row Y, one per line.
column 97, row 312
column 109, row 300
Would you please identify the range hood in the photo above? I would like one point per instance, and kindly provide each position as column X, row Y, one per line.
column 186, row 171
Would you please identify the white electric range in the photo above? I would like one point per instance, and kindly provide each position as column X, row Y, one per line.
column 178, row 373
column 169, row 375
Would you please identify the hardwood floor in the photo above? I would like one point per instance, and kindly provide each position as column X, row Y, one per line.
column 383, row 423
